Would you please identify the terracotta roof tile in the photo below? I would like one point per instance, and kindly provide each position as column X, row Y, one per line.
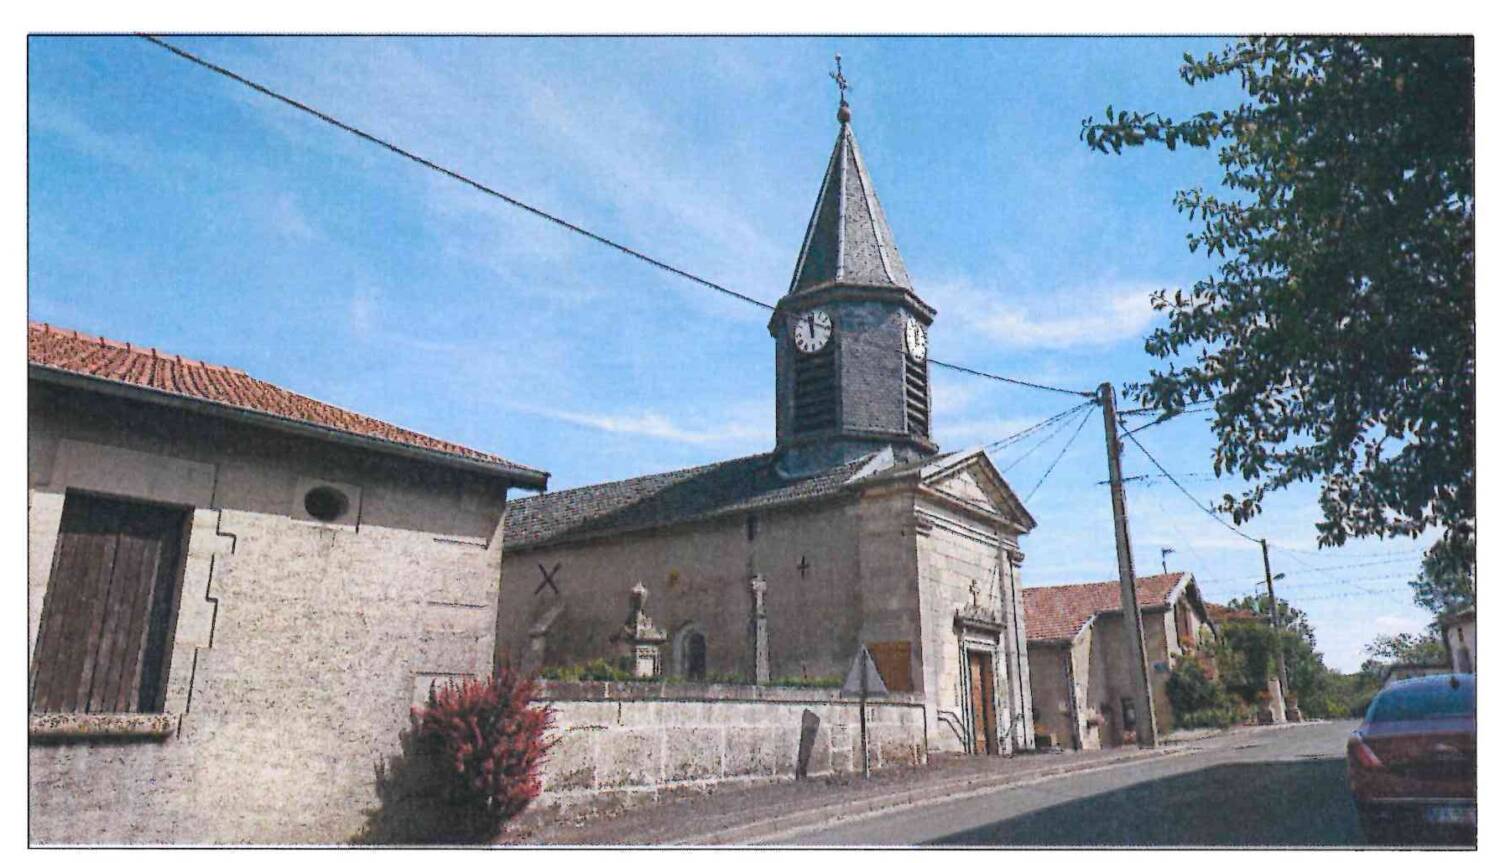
column 1059, row 613
column 1223, row 613
column 121, row 362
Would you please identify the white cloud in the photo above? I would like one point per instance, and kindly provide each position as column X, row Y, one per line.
column 653, row 425
column 1395, row 624
column 1088, row 316
column 288, row 218
column 128, row 152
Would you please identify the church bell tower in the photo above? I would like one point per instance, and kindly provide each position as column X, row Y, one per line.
column 851, row 333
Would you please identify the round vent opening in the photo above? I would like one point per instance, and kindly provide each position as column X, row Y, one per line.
column 325, row 503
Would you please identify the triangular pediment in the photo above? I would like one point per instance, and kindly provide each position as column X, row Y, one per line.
column 970, row 479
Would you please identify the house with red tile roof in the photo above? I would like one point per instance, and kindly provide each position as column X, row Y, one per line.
column 1080, row 673
column 236, row 594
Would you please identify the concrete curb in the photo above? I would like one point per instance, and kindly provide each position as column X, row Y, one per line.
column 854, row 810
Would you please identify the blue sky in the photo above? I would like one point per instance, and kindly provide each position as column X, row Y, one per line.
column 170, row 207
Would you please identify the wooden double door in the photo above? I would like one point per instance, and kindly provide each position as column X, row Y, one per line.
column 982, row 700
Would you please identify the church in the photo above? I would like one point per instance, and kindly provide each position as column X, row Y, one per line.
column 856, row 530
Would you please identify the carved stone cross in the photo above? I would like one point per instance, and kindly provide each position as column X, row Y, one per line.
column 974, row 592
column 762, row 643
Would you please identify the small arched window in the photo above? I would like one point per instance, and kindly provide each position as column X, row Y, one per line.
column 697, row 656
column 690, row 653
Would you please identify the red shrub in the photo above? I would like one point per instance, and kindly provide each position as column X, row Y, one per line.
column 489, row 742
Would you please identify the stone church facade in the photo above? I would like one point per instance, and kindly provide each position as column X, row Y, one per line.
column 856, row 530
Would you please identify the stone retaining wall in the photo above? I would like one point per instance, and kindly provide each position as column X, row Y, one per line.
column 620, row 744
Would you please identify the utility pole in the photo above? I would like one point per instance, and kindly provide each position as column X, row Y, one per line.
column 1265, row 556
column 1145, row 724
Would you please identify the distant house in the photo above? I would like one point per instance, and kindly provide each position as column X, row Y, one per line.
column 1461, row 634
column 236, row 593
column 1080, row 674
column 1222, row 614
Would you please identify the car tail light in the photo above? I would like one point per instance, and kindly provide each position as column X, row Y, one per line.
column 1363, row 754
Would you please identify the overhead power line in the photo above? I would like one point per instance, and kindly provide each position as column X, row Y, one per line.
column 993, row 376
column 1067, row 446
column 1013, row 439
column 1189, row 495
column 1163, row 419
column 1058, row 427
column 533, row 210
column 1306, row 599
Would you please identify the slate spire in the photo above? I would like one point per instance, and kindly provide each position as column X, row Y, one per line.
column 848, row 240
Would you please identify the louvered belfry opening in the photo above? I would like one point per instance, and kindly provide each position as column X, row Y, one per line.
column 918, row 412
column 813, row 407
column 104, row 641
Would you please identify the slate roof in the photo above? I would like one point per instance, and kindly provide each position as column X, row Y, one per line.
column 848, row 239
column 1059, row 613
column 663, row 499
column 87, row 357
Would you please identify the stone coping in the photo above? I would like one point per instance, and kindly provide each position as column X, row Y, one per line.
column 648, row 690
column 94, row 726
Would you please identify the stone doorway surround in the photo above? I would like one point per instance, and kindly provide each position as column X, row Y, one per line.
column 981, row 649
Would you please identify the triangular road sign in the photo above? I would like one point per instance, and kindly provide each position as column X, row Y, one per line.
column 873, row 685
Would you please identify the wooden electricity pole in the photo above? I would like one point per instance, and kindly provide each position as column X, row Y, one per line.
column 1145, row 724
column 1265, row 556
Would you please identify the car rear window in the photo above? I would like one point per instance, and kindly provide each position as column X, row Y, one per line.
column 1425, row 701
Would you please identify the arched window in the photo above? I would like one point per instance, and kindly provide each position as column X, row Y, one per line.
column 690, row 652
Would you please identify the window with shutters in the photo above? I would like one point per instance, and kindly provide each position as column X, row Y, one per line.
column 813, row 392
column 917, row 408
column 110, row 612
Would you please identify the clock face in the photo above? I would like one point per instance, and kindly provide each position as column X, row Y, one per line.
column 811, row 331
column 916, row 340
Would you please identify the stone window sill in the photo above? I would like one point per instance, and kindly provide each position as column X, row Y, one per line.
column 98, row 726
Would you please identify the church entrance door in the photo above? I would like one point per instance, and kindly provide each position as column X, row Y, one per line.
column 982, row 699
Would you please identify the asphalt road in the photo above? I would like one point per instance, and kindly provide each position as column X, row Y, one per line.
column 1283, row 787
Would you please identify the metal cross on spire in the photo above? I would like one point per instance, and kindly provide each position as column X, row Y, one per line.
column 838, row 78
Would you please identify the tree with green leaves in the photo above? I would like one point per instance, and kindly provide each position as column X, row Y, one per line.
column 1408, row 649
column 1337, row 339
column 1446, row 582
column 1293, row 620
column 1246, row 655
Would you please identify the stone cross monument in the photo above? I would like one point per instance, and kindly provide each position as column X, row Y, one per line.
column 762, row 647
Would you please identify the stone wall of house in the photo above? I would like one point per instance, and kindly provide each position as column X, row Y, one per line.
column 698, row 577
column 1049, row 692
column 1160, row 628
column 300, row 646
column 1109, row 675
column 620, row 744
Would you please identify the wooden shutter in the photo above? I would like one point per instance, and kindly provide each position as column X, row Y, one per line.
column 917, row 408
column 813, row 407
column 893, row 661
column 104, row 642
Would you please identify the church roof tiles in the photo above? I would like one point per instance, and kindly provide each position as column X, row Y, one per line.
column 664, row 499
column 148, row 371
